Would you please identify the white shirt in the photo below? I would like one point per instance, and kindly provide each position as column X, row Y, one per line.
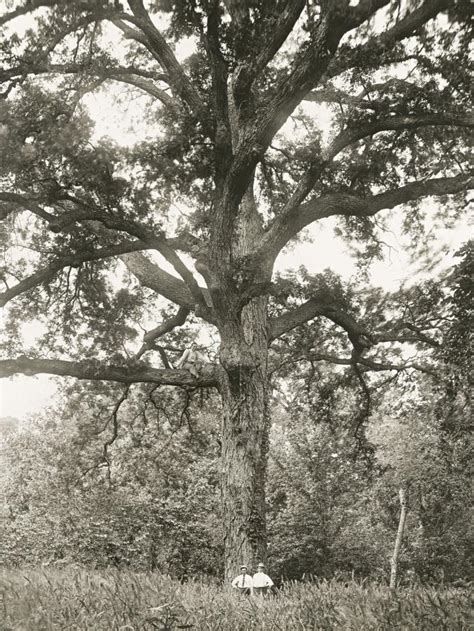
column 260, row 579
column 243, row 581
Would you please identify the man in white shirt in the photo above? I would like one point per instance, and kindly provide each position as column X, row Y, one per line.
column 261, row 581
column 243, row 582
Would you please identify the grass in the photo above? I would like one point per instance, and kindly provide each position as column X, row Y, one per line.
column 74, row 598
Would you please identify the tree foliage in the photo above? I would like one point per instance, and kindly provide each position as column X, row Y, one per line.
column 150, row 504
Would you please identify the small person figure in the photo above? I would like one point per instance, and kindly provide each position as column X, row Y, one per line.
column 243, row 582
column 191, row 360
column 262, row 583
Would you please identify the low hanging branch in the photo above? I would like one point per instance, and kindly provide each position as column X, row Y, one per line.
column 96, row 371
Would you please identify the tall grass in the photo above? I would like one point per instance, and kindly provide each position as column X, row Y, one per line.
column 74, row 598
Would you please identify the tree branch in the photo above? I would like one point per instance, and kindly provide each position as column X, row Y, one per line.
column 355, row 16
column 115, row 429
column 157, row 45
column 28, row 7
column 185, row 241
column 170, row 286
column 287, row 226
column 393, row 123
column 288, row 222
column 257, row 131
column 132, row 76
column 26, row 203
column 417, row 190
column 275, row 34
column 366, row 364
column 150, row 88
column 284, row 323
column 369, row 53
column 165, row 327
column 152, row 276
column 156, row 240
column 393, row 85
column 311, row 62
column 132, row 33
column 74, row 260
column 332, row 95
column 95, row 371
column 417, row 335
column 239, row 12
column 219, row 75
column 314, row 307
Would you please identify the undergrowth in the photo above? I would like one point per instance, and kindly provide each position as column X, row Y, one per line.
column 73, row 598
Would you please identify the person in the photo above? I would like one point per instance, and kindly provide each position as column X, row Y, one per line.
column 243, row 582
column 191, row 360
column 262, row 583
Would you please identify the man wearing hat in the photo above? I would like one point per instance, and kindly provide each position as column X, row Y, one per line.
column 243, row 582
column 261, row 581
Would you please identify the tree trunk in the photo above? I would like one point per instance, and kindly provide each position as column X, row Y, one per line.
column 399, row 539
column 245, row 424
column 245, row 435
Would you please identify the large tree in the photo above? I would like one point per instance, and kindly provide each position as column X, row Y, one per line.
column 237, row 161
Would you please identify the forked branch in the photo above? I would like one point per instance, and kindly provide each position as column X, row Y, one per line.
column 150, row 275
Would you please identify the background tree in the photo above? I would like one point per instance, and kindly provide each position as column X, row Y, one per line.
column 237, row 140
column 334, row 503
column 151, row 505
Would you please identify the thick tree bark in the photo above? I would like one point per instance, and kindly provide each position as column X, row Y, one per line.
column 245, row 429
column 399, row 539
column 245, row 424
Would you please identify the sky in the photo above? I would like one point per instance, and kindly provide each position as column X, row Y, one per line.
column 22, row 396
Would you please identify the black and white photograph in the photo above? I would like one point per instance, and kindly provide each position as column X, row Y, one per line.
column 236, row 313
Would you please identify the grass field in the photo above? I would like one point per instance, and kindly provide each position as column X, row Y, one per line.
column 73, row 598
